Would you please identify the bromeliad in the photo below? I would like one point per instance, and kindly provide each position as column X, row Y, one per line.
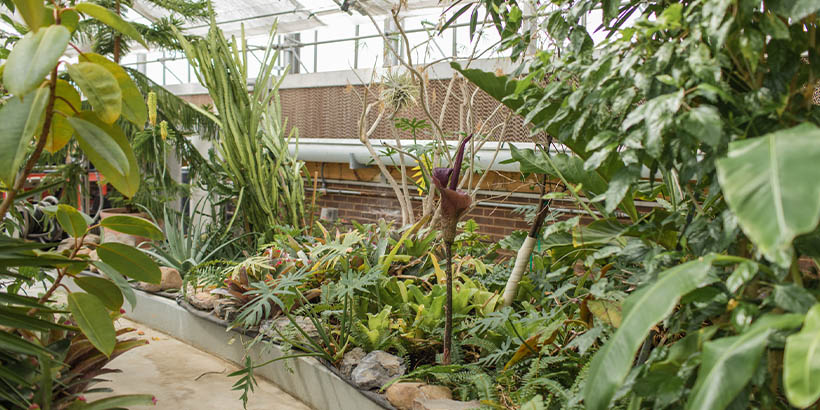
column 454, row 203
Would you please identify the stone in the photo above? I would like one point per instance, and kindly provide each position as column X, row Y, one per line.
column 402, row 395
column 376, row 369
column 350, row 360
column 68, row 243
column 282, row 323
column 444, row 404
column 171, row 279
column 201, row 300
column 226, row 309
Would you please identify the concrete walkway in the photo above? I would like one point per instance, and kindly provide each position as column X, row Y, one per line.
column 185, row 378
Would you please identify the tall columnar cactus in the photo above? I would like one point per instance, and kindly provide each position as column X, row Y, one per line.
column 253, row 142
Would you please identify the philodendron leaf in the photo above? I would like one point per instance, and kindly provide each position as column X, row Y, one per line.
column 105, row 290
column 130, row 262
column 32, row 11
column 68, row 100
column 770, row 183
column 641, row 311
column 133, row 225
column 126, row 183
column 97, row 144
column 100, row 87
column 133, row 104
column 71, row 220
column 727, row 364
column 112, row 20
column 33, row 57
column 19, row 119
column 93, row 319
column 801, row 362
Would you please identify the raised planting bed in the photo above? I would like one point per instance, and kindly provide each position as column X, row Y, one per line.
column 316, row 384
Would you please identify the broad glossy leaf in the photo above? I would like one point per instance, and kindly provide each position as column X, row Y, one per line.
column 33, row 12
column 61, row 131
column 20, row 120
column 727, row 364
column 100, row 87
column 98, row 145
column 120, row 281
column 641, row 311
column 133, row 225
column 770, row 183
column 105, row 290
column 71, row 220
column 110, row 19
column 70, row 19
column 133, row 104
column 794, row 9
column 130, row 262
column 93, row 319
column 127, row 183
column 33, row 57
column 704, row 123
column 801, row 362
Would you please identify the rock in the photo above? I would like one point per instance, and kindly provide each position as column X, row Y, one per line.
column 283, row 325
column 376, row 369
column 68, row 243
column 402, row 395
column 202, row 300
column 444, row 404
column 350, row 360
column 226, row 309
column 171, row 279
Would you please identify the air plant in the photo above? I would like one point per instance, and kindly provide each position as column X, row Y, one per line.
column 453, row 205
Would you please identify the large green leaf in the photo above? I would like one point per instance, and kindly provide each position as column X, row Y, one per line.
column 93, row 319
column 112, row 20
column 20, row 119
column 127, row 183
column 641, row 310
column 133, row 225
column 99, row 146
column 119, row 280
column 100, row 87
column 729, row 363
column 68, row 100
column 794, row 9
column 71, row 220
column 770, row 183
column 33, row 57
column 801, row 362
column 104, row 289
column 32, row 11
column 133, row 104
column 130, row 262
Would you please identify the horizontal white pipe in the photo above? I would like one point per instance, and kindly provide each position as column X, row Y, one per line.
column 340, row 150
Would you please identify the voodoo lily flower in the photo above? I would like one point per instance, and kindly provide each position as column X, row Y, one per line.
column 454, row 202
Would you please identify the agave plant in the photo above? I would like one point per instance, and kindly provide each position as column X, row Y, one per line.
column 182, row 251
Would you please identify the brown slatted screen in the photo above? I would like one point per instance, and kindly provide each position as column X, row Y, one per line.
column 333, row 112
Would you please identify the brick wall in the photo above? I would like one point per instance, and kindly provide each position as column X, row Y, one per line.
column 368, row 204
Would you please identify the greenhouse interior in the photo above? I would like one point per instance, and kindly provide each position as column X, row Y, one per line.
column 409, row 205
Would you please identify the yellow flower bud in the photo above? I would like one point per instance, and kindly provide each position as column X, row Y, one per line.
column 152, row 108
column 163, row 130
